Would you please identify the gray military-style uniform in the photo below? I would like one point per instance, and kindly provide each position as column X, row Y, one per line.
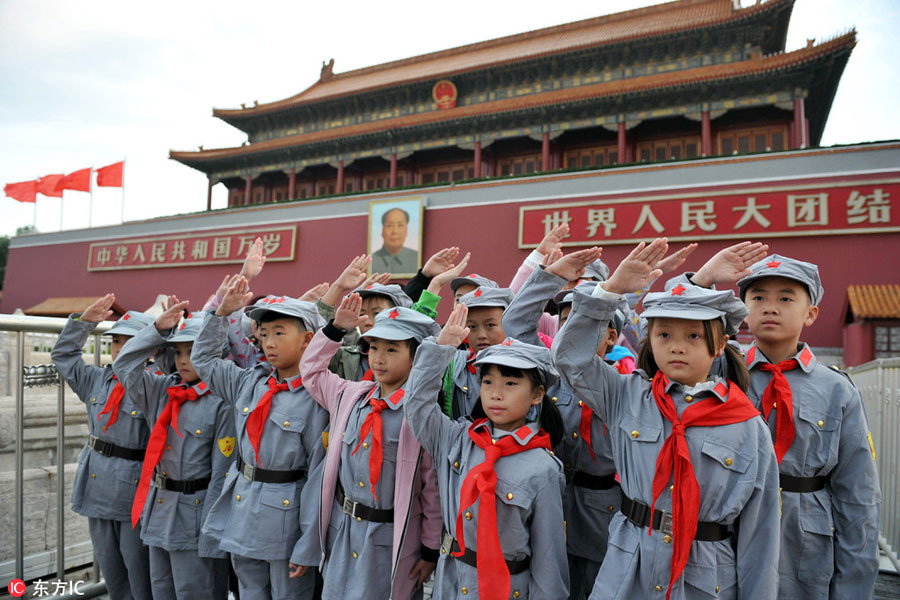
column 529, row 492
column 829, row 537
column 265, row 525
column 184, row 563
column 734, row 465
column 104, row 485
column 587, row 511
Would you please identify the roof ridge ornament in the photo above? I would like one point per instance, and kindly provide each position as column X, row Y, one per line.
column 327, row 73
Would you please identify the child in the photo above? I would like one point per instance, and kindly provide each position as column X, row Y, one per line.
column 592, row 494
column 830, row 492
column 110, row 463
column 501, row 487
column 464, row 284
column 713, row 527
column 265, row 516
column 381, row 531
column 191, row 442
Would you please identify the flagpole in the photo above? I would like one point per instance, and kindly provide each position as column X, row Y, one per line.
column 62, row 193
column 34, row 223
column 124, row 160
column 91, row 188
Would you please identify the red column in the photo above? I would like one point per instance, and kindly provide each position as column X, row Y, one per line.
column 292, row 184
column 209, row 195
column 622, row 150
column 799, row 133
column 339, row 188
column 248, row 190
column 393, row 182
column 478, row 159
column 545, row 151
column 705, row 135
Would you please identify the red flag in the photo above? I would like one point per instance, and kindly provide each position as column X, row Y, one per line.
column 46, row 185
column 79, row 181
column 23, row 191
column 110, row 175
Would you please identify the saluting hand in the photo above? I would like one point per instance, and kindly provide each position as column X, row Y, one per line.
column 455, row 330
column 571, row 266
column 730, row 264
column 172, row 312
column 237, row 297
column 440, row 261
column 675, row 260
column 347, row 317
column 99, row 310
column 315, row 292
column 445, row 277
column 638, row 269
column 553, row 240
column 255, row 260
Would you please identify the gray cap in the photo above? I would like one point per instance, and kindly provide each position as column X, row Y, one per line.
column 789, row 268
column 519, row 355
column 130, row 323
column 401, row 323
column 695, row 303
column 488, row 296
column 586, row 286
column 472, row 279
column 289, row 307
column 392, row 292
column 189, row 328
column 597, row 270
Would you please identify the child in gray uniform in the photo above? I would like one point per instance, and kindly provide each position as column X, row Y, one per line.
column 699, row 513
column 500, row 486
column 110, row 464
column 191, row 443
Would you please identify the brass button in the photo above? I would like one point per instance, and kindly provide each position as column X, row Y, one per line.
column 197, row 432
column 509, row 496
column 365, row 445
column 354, row 555
column 468, row 516
column 672, row 487
column 580, row 403
column 774, row 405
column 93, row 400
column 133, row 413
column 168, row 447
column 728, row 462
column 574, row 435
column 359, row 519
column 516, row 594
column 286, row 502
column 93, row 476
column 464, row 591
column 197, row 501
column 361, row 484
column 555, row 399
column 287, row 423
column 493, row 440
column 667, row 539
column 135, row 482
column 165, row 474
column 658, row 588
column 610, row 508
column 635, row 434
column 465, row 388
column 821, row 423
column 246, row 409
column 717, row 589
column 238, row 497
column 456, row 464
column 688, row 398
column 159, row 500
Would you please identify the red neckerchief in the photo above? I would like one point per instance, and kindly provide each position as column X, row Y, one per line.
column 112, row 404
column 778, row 394
column 368, row 375
column 372, row 423
column 480, row 484
column 470, row 358
column 256, row 422
column 584, row 428
column 178, row 395
column 676, row 456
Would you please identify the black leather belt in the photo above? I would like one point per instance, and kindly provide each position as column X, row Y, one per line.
column 449, row 545
column 251, row 473
column 109, row 449
column 594, row 482
column 361, row 511
column 639, row 514
column 801, row 485
column 191, row 486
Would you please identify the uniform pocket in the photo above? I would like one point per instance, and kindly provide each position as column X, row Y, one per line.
column 816, row 548
column 286, row 422
column 728, row 457
column 187, row 519
column 638, row 431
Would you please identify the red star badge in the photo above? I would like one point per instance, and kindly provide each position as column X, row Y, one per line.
column 471, row 275
column 394, row 314
column 773, row 264
column 126, row 317
column 478, row 293
column 507, row 342
column 182, row 326
column 678, row 290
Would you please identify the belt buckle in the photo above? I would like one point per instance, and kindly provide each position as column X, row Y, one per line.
column 248, row 471
column 665, row 523
column 349, row 507
column 92, row 441
column 446, row 542
column 159, row 481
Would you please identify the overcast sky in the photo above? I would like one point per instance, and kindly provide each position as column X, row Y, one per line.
column 91, row 83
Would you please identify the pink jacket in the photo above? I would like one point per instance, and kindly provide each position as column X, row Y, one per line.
column 416, row 500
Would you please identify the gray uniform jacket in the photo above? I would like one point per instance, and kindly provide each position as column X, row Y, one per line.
column 104, row 486
column 171, row 520
column 529, row 491
column 266, row 521
column 734, row 465
column 587, row 511
column 829, row 538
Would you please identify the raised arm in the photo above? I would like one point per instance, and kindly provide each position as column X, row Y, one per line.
column 353, row 275
column 66, row 353
column 729, row 265
column 551, row 243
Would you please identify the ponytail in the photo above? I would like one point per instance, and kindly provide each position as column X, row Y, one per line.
column 551, row 421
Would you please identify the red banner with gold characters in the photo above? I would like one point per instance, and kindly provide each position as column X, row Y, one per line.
column 841, row 208
column 206, row 248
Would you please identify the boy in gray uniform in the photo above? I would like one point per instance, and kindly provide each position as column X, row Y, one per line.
column 191, row 442
column 266, row 514
column 830, row 496
column 110, row 463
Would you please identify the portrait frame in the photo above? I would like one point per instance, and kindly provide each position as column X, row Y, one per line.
column 415, row 209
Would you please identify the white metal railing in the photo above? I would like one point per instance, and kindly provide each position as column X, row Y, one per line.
column 878, row 382
column 42, row 334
